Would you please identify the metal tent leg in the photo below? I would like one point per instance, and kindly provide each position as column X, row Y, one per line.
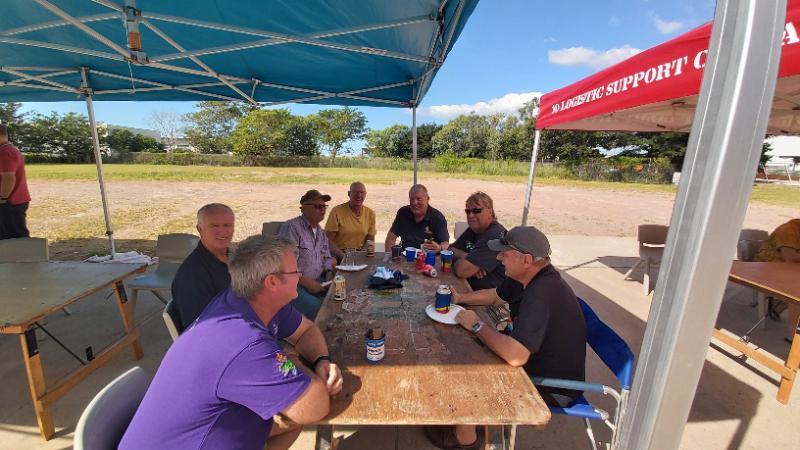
column 414, row 139
column 531, row 173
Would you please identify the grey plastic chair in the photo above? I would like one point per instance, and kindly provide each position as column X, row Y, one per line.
column 750, row 241
column 24, row 250
column 652, row 239
column 459, row 229
column 270, row 228
column 171, row 249
column 172, row 320
column 105, row 419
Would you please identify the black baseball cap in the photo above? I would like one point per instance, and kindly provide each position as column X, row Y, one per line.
column 527, row 240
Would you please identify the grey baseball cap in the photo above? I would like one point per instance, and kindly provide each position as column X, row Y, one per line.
column 523, row 239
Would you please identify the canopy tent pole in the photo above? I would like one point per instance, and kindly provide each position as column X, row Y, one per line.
column 724, row 148
column 529, row 190
column 87, row 93
column 414, row 138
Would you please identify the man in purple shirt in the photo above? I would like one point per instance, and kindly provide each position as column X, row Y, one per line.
column 223, row 380
column 313, row 251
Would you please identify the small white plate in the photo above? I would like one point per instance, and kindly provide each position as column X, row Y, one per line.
column 352, row 268
column 448, row 318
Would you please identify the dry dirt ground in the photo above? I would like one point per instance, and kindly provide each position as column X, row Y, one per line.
column 69, row 213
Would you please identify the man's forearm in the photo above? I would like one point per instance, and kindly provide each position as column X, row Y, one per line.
column 504, row 346
column 311, row 344
column 481, row 297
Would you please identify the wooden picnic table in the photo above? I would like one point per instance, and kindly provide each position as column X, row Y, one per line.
column 32, row 291
column 779, row 280
column 432, row 374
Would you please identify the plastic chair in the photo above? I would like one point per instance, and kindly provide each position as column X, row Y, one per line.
column 459, row 229
column 105, row 419
column 270, row 228
column 171, row 249
column 617, row 356
column 750, row 241
column 652, row 239
column 24, row 250
column 172, row 320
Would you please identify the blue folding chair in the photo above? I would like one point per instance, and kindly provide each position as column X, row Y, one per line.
column 617, row 356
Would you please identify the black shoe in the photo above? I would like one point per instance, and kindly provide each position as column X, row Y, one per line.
column 444, row 437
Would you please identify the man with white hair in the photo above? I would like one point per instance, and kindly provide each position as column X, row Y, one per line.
column 223, row 381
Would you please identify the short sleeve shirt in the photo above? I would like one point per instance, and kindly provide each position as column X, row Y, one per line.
column 351, row 230
column 200, row 277
column 548, row 321
column 786, row 235
column 413, row 233
column 11, row 160
column 221, row 382
column 479, row 254
column 313, row 251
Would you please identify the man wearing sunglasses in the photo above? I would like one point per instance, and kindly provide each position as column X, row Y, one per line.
column 222, row 383
column 313, row 251
column 549, row 334
column 419, row 224
column 474, row 260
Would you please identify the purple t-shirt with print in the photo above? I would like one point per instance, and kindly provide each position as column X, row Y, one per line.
column 221, row 382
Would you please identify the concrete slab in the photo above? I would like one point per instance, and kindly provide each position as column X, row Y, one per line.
column 735, row 405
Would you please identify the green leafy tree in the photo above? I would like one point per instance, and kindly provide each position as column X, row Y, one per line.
column 210, row 128
column 123, row 140
column 335, row 127
column 10, row 117
column 465, row 136
column 274, row 132
column 68, row 136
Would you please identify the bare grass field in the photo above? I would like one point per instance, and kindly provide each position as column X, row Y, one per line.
column 150, row 200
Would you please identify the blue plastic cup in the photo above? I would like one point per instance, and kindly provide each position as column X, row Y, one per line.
column 411, row 254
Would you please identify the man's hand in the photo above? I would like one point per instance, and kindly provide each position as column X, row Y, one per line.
column 332, row 376
column 467, row 319
column 430, row 245
column 315, row 287
column 480, row 274
column 457, row 296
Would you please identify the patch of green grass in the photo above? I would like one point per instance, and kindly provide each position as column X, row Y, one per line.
column 776, row 194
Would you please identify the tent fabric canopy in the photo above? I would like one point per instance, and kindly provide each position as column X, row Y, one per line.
column 347, row 52
column 657, row 89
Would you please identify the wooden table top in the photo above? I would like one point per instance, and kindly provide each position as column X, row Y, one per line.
column 432, row 373
column 778, row 279
column 31, row 291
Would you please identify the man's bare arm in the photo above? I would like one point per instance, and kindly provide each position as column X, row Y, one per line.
column 790, row 254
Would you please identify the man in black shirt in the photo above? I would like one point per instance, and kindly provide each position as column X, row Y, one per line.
column 418, row 224
column 549, row 333
column 474, row 260
column 204, row 273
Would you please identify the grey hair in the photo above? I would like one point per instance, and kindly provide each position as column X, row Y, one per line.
column 356, row 183
column 202, row 211
column 254, row 259
column 418, row 187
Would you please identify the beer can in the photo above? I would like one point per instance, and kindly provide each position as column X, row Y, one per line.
column 420, row 259
column 447, row 260
column 443, row 299
column 397, row 252
column 370, row 248
column 375, row 340
column 339, row 288
column 429, row 270
column 430, row 258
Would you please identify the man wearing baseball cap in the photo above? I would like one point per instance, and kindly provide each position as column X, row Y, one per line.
column 549, row 334
column 314, row 258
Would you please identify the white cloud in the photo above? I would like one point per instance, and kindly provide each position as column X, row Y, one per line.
column 667, row 26
column 550, row 39
column 614, row 21
column 584, row 56
column 507, row 104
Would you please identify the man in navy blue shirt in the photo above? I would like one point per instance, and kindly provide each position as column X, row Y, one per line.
column 474, row 260
column 418, row 224
column 204, row 273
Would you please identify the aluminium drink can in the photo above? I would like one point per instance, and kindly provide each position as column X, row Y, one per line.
column 339, row 287
column 443, row 299
column 429, row 270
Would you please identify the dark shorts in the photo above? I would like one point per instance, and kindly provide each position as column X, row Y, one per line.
column 12, row 221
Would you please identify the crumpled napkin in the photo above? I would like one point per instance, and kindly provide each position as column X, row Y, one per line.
column 385, row 278
column 124, row 258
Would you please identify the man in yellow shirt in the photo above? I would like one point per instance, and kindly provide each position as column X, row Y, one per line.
column 783, row 245
column 351, row 224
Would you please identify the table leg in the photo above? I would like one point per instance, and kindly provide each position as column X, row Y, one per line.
column 792, row 363
column 126, row 311
column 36, row 382
column 496, row 438
column 324, row 438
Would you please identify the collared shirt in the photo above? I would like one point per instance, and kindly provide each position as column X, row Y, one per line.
column 548, row 321
column 11, row 160
column 351, row 230
column 313, row 251
column 200, row 277
column 786, row 235
column 479, row 254
column 221, row 382
column 412, row 233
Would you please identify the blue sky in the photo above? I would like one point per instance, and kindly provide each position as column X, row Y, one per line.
column 509, row 50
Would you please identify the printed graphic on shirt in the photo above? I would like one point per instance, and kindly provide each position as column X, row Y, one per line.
column 285, row 365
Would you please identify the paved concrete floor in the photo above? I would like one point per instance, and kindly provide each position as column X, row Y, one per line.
column 734, row 406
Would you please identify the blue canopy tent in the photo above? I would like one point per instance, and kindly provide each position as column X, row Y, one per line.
column 347, row 52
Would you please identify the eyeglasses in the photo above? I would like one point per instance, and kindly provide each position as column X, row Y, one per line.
column 473, row 211
column 319, row 207
column 296, row 272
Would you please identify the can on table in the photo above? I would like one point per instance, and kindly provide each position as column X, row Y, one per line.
column 375, row 340
column 430, row 258
column 447, row 260
column 443, row 299
column 370, row 245
column 429, row 270
column 339, row 287
column 420, row 259
column 397, row 252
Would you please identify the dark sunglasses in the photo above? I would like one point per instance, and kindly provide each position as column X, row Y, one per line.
column 319, row 207
column 473, row 211
column 504, row 241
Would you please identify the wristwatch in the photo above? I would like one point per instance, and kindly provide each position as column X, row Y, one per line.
column 477, row 327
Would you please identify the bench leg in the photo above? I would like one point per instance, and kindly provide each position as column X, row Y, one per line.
column 324, row 439
column 126, row 311
column 792, row 362
column 36, row 382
